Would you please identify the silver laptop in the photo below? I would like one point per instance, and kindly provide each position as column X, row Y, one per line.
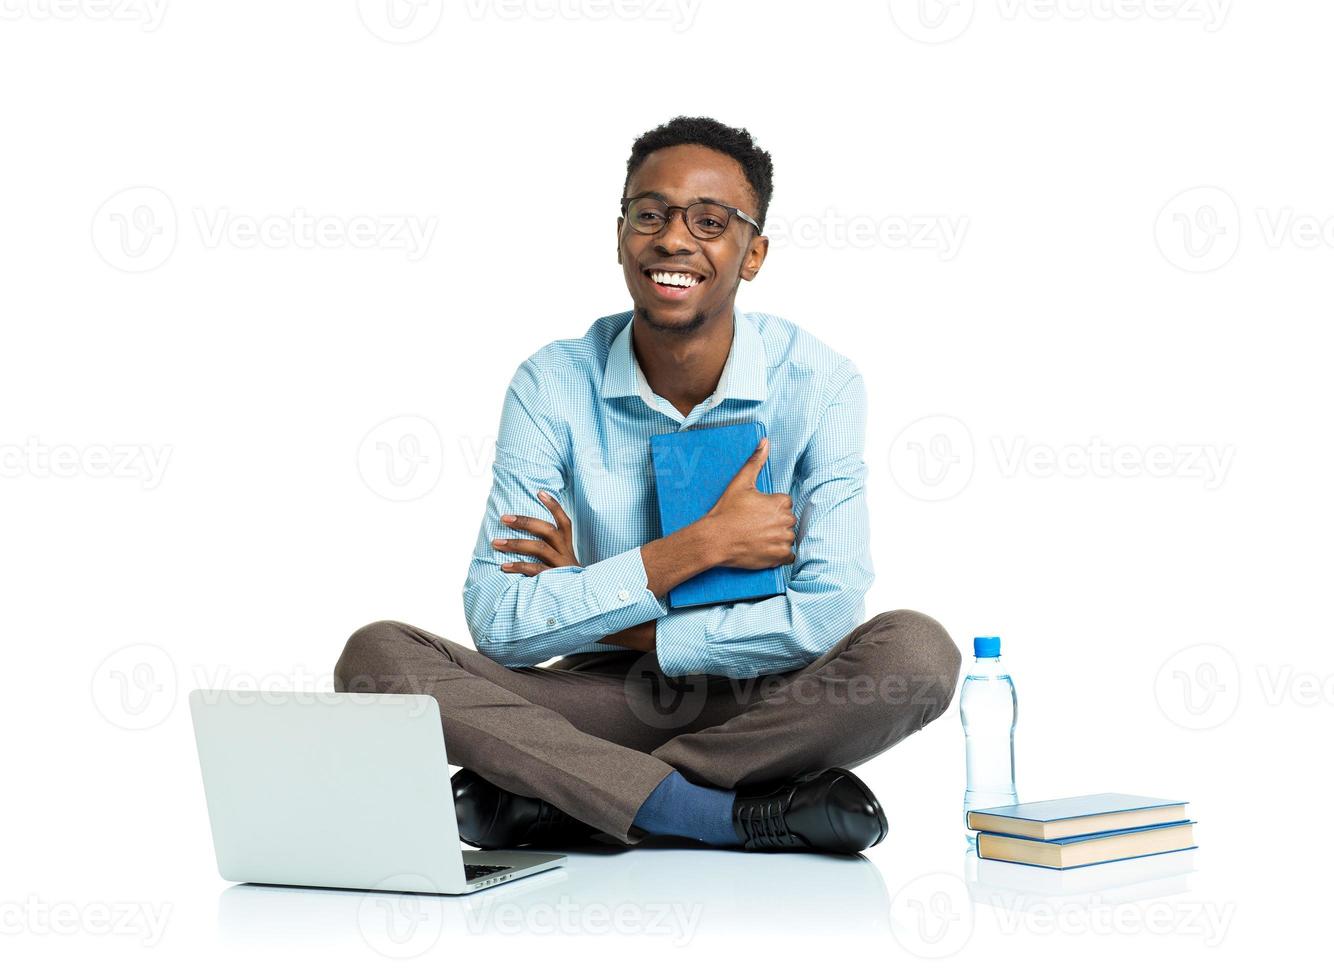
column 338, row 791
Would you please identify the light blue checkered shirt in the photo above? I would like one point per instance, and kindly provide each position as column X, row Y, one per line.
column 576, row 423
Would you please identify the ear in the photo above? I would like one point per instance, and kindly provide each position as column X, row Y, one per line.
column 755, row 255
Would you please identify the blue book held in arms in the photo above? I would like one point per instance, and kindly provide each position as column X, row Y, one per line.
column 692, row 468
column 1054, row 819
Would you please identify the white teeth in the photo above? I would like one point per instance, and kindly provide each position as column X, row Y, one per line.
column 673, row 278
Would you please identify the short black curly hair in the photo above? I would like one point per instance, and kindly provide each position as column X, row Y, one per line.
column 706, row 131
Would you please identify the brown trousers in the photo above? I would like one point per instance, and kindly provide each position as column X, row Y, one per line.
column 594, row 733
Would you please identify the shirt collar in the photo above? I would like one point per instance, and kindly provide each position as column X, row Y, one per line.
column 744, row 377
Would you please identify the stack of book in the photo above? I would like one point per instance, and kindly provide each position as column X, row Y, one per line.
column 1082, row 830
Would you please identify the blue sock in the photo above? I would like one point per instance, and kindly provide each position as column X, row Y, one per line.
column 681, row 808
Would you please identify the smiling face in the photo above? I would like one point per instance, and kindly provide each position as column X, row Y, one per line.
column 676, row 281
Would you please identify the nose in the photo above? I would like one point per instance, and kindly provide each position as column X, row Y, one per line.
column 674, row 237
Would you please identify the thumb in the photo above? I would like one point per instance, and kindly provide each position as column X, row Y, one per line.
column 750, row 470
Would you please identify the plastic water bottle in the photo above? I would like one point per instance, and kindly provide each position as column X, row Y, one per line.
column 989, row 709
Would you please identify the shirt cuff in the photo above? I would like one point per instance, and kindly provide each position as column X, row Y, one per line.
column 620, row 583
column 683, row 642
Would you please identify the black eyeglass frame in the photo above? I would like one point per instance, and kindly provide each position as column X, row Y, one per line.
column 685, row 215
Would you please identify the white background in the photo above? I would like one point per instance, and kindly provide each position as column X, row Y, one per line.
column 1099, row 399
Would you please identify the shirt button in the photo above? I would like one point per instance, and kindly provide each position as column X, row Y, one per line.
column 551, row 620
column 623, row 595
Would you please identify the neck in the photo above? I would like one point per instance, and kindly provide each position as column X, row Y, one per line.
column 683, row 365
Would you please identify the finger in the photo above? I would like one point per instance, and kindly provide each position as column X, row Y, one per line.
column 750, row 470
column 522, row 546
column 557, row 511
column 547, row 532
column 528, row 568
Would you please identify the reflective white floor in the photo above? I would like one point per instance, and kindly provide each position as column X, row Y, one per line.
column 672, row 891
column 918, row 900
column 677, row 893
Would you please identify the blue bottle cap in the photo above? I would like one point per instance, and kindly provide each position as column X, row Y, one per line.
column 986, row 646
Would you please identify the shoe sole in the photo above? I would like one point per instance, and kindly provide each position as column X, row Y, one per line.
column 875, row 803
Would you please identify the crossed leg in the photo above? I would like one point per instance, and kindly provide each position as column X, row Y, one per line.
column 594, row 736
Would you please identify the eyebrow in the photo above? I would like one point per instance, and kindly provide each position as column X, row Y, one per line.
column 663, row 197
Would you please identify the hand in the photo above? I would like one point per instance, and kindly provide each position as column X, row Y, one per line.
column 754, row 529
column 555, row 544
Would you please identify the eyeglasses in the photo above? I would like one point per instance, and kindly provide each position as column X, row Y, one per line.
column 706, row 220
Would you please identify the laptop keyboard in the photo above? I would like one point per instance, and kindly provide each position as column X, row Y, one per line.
column 475, row 871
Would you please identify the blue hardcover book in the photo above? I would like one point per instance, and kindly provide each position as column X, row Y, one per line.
column 1084, row 850
column 1054, row 819
column 692, row 468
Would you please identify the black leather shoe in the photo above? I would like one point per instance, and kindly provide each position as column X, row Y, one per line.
column 490, row 817
column 833, row 811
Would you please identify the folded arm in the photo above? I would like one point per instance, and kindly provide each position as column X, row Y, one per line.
column 825, row 597
column 520, row 620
